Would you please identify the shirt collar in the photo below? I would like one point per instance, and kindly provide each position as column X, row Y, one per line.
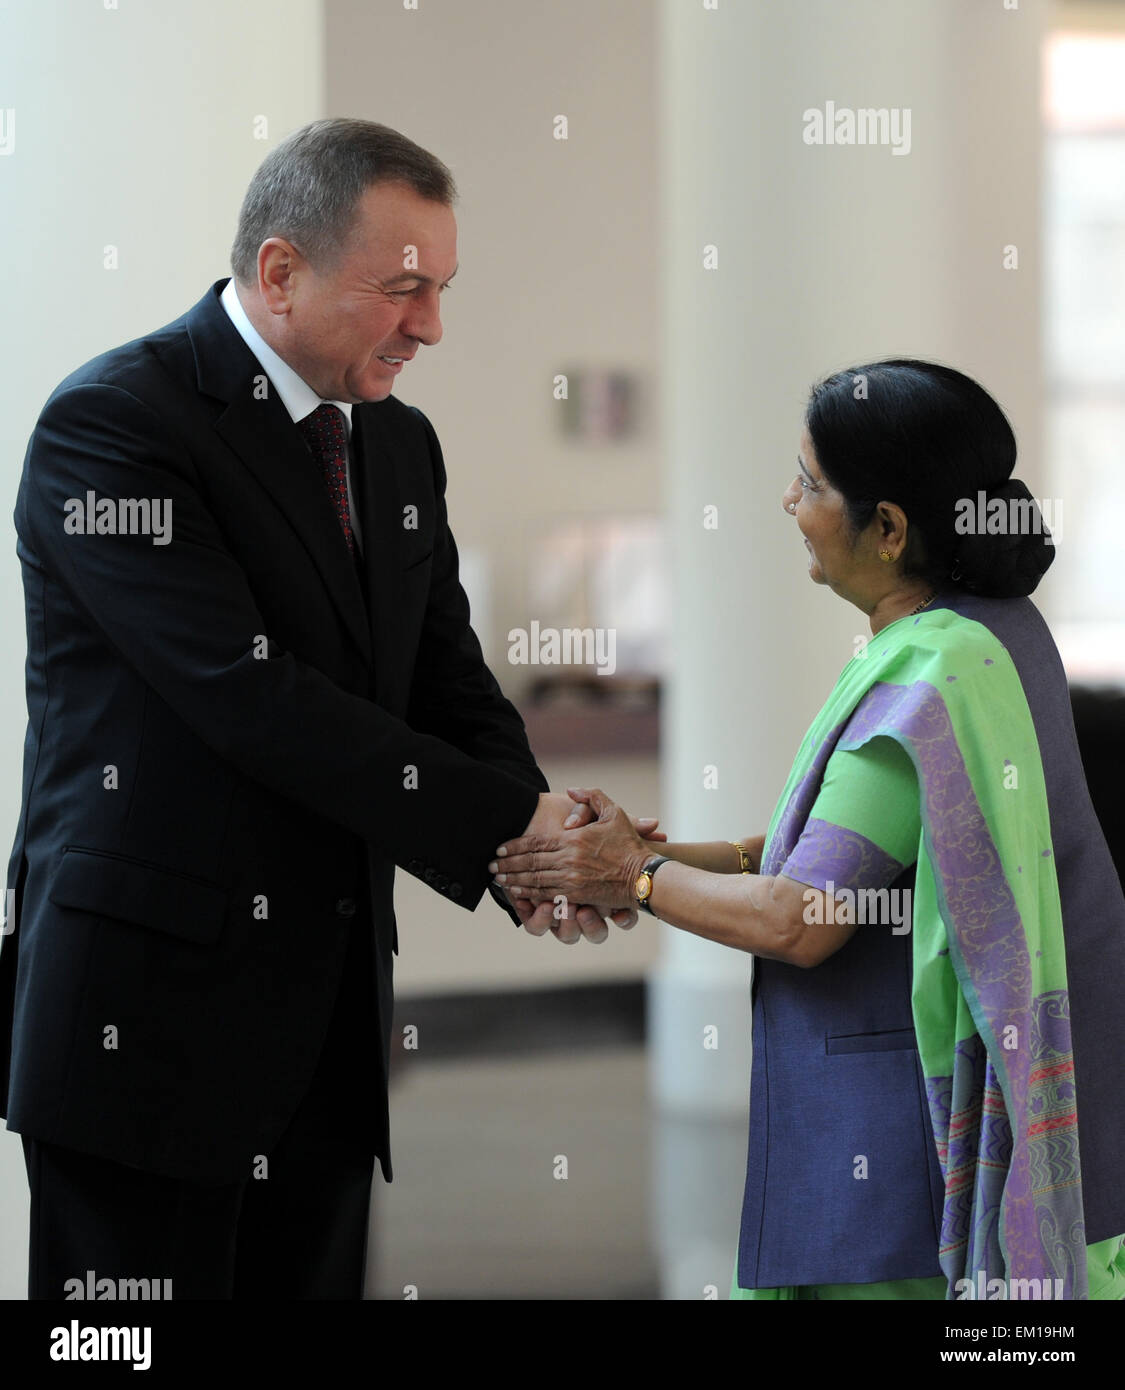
column 297, row 395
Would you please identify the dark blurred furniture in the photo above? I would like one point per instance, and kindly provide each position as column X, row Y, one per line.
column 575, row 713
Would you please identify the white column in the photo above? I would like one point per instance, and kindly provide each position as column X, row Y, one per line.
column 826, row 255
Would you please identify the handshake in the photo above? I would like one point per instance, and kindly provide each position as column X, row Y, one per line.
column 575, row 865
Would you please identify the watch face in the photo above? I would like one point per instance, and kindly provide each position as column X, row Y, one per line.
column 643, row 887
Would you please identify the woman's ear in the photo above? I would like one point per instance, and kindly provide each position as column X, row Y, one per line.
column 892, row 521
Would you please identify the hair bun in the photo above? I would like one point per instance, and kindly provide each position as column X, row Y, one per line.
column 1009, row 560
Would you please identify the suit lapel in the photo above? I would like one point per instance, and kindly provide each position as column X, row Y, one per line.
column 259, row 429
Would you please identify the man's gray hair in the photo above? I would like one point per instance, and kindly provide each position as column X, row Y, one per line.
column 307, row 190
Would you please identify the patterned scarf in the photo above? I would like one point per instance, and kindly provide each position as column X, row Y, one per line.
column 989, row 993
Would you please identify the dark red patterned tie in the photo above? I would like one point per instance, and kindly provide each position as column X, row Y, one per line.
column 326, row 434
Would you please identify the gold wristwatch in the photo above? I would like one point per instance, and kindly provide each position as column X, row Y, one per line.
column 642, row 889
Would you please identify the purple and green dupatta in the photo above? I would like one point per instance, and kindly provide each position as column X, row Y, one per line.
column 989, row 992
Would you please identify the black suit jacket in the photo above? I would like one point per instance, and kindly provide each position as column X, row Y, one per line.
column 228, row 752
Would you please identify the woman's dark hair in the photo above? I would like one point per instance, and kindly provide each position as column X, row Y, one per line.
column 929, row 439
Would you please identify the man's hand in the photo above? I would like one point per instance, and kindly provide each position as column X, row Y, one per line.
column 569, row 921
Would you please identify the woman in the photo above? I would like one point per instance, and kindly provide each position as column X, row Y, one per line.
column 936, row 1095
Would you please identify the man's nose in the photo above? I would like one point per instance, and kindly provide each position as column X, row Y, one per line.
column 423, row 321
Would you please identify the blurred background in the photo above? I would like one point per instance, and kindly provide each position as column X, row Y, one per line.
column 655, row 266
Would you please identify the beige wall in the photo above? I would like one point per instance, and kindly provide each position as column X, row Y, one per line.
column 557, row 243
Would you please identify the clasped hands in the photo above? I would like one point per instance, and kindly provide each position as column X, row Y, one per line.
column 575, row 865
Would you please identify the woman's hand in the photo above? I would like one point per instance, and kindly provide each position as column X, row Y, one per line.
column 597, row 864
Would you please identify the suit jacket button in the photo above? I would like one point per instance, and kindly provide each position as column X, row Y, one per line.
column 345, row 907
column 414, row 867
column 430, row 875
column 441, row 883
column 455, row 890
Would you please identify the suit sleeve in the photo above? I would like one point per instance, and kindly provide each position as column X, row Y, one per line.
column 454, row 694
column 182, row 615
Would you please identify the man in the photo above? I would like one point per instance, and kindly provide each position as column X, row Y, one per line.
column 252, row 691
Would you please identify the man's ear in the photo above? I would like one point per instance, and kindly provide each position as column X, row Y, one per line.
column 279, row 263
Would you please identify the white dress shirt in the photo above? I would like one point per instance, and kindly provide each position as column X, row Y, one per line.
column 297, row 395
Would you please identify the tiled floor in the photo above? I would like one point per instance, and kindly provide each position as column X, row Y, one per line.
column 476, row 1209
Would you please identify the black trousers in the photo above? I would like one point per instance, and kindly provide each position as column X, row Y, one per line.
column 300, row 1233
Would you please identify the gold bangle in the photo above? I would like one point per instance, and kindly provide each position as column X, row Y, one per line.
column 745, row 863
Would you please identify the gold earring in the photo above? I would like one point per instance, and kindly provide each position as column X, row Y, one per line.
column 885, row 555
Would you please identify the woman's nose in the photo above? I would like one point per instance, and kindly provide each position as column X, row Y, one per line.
column 789, row 496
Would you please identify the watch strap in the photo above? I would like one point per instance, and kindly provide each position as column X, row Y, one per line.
column 650, row 869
